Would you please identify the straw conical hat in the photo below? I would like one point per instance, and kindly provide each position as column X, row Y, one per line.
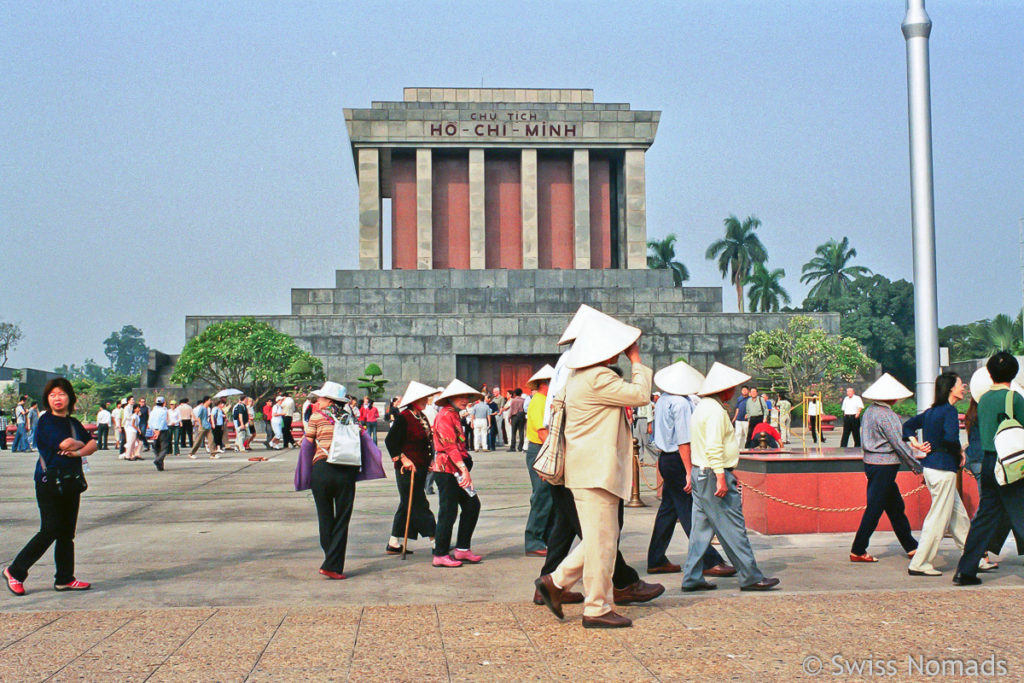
column 887, row 388
column 457, row 388
column 679, row 378
column 721, row 377
column 600, row 339
column 542, row 375
column 583, row 314
column 414, row 392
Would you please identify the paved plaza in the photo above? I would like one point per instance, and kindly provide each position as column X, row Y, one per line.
column 207, row 571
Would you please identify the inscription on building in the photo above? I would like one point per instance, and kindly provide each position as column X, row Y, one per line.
column 493, row 124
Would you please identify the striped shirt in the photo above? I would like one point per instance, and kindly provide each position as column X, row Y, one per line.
column 320, row 430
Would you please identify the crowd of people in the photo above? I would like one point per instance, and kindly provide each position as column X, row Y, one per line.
column 582, row 414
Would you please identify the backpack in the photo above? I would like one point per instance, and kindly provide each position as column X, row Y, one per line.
column 1009, row 443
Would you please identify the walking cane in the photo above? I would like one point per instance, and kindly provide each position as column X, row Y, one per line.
column 408, row 513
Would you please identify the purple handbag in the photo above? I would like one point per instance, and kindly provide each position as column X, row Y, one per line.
column 304, row 465
column 372, row 468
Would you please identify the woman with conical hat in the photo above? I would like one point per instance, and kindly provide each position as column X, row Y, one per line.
column 410, row 442
column 881, row 438
column 598, row 464
column 717, row 506
column 456, row 496
column 537, row 523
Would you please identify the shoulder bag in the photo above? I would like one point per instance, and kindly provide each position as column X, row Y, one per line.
column 550, row 461
column 345, row 445
column 64, row 482
column 1009, row 442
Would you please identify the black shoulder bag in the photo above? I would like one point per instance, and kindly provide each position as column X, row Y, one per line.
column 64, row 481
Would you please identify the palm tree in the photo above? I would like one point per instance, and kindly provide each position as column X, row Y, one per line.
column 766, row 289
column 737, row 252
column 662, row 255
column 829, row 270
column 998, row 334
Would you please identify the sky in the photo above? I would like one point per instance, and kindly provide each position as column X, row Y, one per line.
column 159, row 160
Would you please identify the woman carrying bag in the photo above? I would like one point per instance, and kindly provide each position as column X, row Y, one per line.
column 62, row 443
column 411, row 445
column 333, row 485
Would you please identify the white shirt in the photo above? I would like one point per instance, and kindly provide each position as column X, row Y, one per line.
column 288, row 406
column 557, row 383
column 115, row 416
column 173, row 417
column 812, row 407
column 852, row 405
column 103, row 417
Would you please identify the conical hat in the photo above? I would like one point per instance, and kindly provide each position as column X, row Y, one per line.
column 414, row 392
column 887, row 388
column 721, row 377
column 457, row 388
column 981, row 382
column 600, row 339
column 679, row 378
column 542, row 375
column 583, row 314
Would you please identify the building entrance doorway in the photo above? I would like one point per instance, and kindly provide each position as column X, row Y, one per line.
column 506, row 372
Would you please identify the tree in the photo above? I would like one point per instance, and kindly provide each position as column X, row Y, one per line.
column 805, row 354
column 661, row 255
column 998, row 334
column 829, row 270
column 879, row 314
column 10, row 335
column 244, row 354
column 737, row 252
column 126, row 350
column 90, row 370
column 374, row 387
column 766, row 291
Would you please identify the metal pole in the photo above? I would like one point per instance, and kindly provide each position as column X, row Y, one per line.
column 1020, row 254
column 916, row 29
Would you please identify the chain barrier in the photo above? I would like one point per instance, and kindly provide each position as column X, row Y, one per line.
column 764, row 494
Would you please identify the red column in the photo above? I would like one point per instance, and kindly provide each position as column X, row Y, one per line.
column 451, row 211
column 403, row 212
column 503, row 211
column 600, row 212
column 555, row 221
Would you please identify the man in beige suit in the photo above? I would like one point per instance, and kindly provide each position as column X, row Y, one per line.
column 598, row 467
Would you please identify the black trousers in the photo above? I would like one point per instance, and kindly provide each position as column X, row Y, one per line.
column 218, row 437
column 58, row 519
column 142, row 436
column 102, row 432
column 186, row 432
column 421, row 519
column 518, row 422
column 814, row 427
column 1000, row 508
column 286, row 422
column 751, row 423
column 851, row 425
column 334, row 492
column 161, row 447
column 453, row 500
column 883, row 496
column 676, row 505
column 566, row 528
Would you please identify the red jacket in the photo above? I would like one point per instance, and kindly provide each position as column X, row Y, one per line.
column 449, row 441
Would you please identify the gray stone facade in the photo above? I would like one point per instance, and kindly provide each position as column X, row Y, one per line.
column 418, row 324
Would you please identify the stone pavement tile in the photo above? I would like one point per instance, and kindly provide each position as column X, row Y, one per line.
column 394, row 664
column 14, row 625
column 275, row 675
column 76, row 672
column 226, row 670
column 617, row 671
column 512, row 673
column 48, row 649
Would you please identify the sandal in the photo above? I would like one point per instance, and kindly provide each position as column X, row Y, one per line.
column 862, row 558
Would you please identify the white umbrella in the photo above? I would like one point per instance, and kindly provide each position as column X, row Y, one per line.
column 228, row 392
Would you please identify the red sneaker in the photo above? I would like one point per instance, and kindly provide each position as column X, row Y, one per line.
column 13, row 585
column 332, row 575
column 446, row 561
column 75, row 585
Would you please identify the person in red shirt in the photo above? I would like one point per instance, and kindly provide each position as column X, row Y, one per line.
column 267, row 418
column 455, row 487
column 368, row 415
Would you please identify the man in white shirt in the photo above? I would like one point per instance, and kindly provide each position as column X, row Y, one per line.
column 853, row 406
column 115, row 423
column 103, row 426
column 174, row 426
column 287, row 413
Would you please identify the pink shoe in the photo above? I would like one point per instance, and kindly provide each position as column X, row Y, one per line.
column 466, row 556
column 13, row 585
column 446, row 561
column 75, row 585
column 332, row 575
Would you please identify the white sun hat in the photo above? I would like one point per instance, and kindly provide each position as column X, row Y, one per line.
column 887, row 388
column 583, row 314
column 457, row 388
column 331, row 390
column 721, row 377
column 542, row 375
column 980, row 383
column 600, row 339
column 415, row 391
column 679, row 378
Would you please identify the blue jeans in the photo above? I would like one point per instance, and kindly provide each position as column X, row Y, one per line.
column 20, row 440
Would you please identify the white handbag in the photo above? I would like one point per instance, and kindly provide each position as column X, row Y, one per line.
column 1009, row 443
column 345, row 446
